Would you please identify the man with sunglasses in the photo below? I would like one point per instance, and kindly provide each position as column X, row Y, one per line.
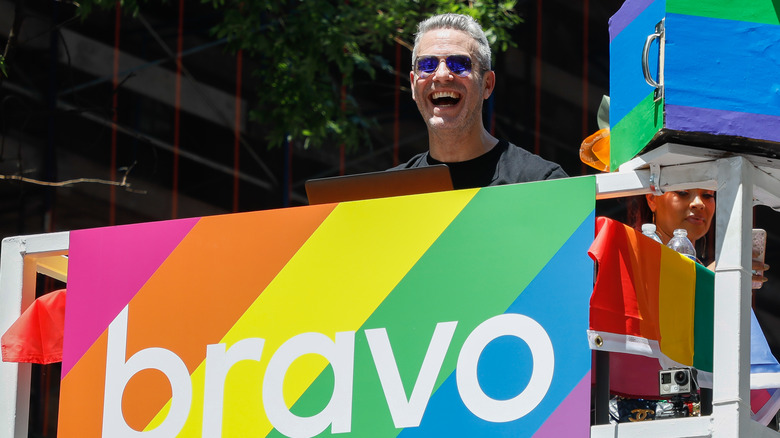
column 451, row 77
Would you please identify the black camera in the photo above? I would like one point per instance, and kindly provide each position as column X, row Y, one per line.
column 677, row 381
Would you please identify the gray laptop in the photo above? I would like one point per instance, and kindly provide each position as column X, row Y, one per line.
column 379, row 184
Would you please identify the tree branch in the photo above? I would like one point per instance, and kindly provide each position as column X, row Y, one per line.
column 10, row 45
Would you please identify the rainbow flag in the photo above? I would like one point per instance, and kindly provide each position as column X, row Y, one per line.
column 369, row 318
column 650, row 300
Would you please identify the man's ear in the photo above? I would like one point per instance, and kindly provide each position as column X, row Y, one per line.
column 411, row 81
column 489, row 82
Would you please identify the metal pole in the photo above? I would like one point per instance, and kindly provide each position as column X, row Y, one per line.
column 601, row 396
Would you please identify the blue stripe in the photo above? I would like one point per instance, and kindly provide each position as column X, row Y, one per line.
column 558, row 299
column 627, row 82
column 761, row 358
column 626, row 15
column 722, row 64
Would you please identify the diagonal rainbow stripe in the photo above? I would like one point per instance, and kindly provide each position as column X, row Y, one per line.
column 403, row 264
column 486, row 263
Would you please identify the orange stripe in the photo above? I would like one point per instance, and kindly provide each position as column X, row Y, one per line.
column 263, row 245
column 646, row 274
column 633, row 315
column 81, row 404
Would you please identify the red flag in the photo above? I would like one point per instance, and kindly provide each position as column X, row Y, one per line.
column 36, row 337
column 614, row 307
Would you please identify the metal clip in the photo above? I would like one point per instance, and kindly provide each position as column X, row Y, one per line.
column 655, row 179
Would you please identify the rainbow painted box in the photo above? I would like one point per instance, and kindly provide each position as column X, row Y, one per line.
column 441, row 314
column 703, row 73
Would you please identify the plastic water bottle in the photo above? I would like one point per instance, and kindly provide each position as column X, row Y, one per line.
column 649, row 231
column 682, row 244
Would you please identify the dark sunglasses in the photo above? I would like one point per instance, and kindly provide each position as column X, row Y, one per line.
column 459, row 65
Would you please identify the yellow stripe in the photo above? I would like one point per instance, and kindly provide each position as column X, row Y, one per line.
column 333, row 283
column 676, row 303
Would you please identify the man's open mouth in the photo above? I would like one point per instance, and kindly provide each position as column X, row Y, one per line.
column 445, row 98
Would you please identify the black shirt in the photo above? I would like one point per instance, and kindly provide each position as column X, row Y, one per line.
column 504, row 164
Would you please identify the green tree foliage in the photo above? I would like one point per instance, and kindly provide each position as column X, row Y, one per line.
column 311, row 51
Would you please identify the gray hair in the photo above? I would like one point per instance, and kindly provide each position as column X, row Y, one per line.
column 460, row 22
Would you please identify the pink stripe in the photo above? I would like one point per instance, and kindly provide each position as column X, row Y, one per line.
column 99, row 283
column 572, row 416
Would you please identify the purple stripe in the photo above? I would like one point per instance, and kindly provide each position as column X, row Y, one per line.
column 720, row 122
column 572, row 417
column 625, row 15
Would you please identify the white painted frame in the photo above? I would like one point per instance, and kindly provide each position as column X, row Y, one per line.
column 742, row 182
column 18, row 270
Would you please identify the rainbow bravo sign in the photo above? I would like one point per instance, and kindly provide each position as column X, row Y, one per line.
column 459, row 313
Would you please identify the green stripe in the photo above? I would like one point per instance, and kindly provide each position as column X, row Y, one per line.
column 703, row 323
column 754, row 11
column 629, row 136
column 475, row 270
